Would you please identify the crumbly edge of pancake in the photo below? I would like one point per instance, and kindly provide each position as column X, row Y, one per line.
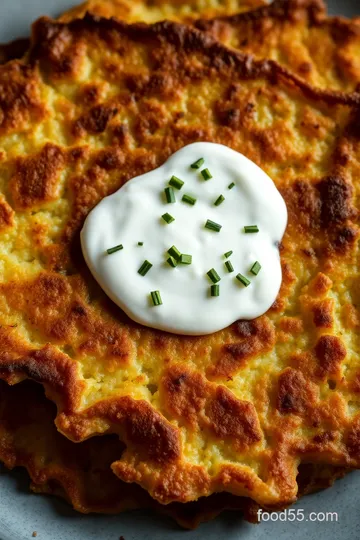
column 81, row 474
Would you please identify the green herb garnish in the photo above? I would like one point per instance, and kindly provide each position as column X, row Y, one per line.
column 140, row 243
column 197, row 163
column 174, row 252
column 251, row 228
column 244, row 280
column 172, row 262
column 114, row 249
column 227, row 254
column 188, row 199
column 168, row 218
column 212, row 226
column 229, row 266
column 156, row 298
column 144, row 268
column 219, row 200
column 230, row 186
column 185, row 259
column 206, row 174
column 255, row 269
column 213, row 275
column 215, row 290
column 176, row 182
column 170, row 195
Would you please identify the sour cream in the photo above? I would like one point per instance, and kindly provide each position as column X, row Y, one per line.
column 133, row 215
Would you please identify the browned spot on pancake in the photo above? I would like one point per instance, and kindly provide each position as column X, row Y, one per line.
column 330, row 352
column 335, row 197
column 320, row 285
column 35, row 179
column 303, row 204
column 57, row 47
column 6, row 215
column 184, row 393
column 110, row 159
column 344, row 239
column 323, row 313
column 256, row 337
column 353, row 439
column 147, row 429
column 294, row 392
column 323, row 438
column 189, row 397
column 20, row 100
column 89, row 94
column 233, row 418
column 291, row 325
column 95, row 121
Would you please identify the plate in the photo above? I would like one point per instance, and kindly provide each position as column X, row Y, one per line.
column 322, row 516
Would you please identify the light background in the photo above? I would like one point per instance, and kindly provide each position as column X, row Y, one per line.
column 22, row 513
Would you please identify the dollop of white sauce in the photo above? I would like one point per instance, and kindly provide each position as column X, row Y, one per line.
column 133, row 214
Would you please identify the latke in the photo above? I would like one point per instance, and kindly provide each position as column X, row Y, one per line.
column 99, row 102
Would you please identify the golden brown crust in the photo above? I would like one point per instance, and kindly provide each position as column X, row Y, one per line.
column 322, row 50
column 264, row 395
column 151, row 11
column 82, row 473
column 20, row 99
column 35, row 178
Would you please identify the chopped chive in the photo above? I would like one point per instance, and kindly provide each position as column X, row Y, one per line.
column 156, row 298
column 215, row 290
column 244, row 280
column 219, row 200
column 251, row 228
column 212, row 226
column 174, row 252
column 197, row 163
column 140, row 243
column 188, row 199
column 144, row 268
column 255, row 269
column 168, row 218
column 227, row 254
column 176, row 182
column 170, row 195
column 206, row 174
column 230, row 186
column 114, row 249
column 172, row 262
column 185, row 259
column 213, row 275
column 229, row 266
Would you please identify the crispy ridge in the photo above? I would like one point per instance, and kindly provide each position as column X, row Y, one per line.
column 296, row 33
column 138, row 11
column 82, row 473
column 149, row 11
column 167, row 85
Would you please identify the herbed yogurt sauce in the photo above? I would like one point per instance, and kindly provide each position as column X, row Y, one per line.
column 133, row 216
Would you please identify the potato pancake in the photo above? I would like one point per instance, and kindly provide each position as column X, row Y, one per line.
column 98, row 102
